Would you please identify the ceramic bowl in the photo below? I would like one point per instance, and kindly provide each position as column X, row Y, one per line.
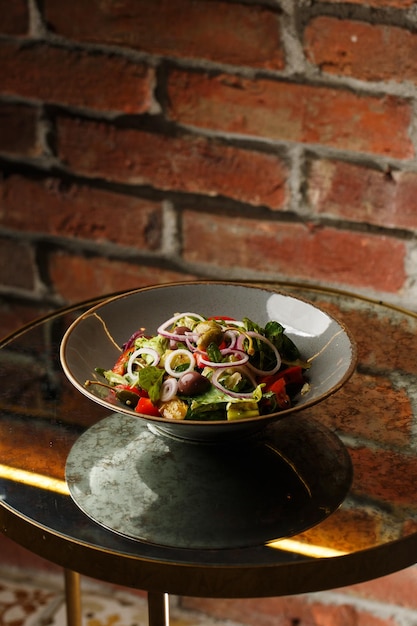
column 92, row 342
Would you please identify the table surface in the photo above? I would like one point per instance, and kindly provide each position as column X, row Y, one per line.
column 373, row 418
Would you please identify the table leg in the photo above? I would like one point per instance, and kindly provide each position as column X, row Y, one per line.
column 158, row 609
column 73, row 598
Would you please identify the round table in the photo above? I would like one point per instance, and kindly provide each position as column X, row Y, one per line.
column 372, row 533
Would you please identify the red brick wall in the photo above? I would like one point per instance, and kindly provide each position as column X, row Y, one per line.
column 146, row 142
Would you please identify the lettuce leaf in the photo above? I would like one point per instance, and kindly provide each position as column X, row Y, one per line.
column 150, row 379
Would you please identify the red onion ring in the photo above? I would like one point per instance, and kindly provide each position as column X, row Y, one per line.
column 168, row 389
column 191, row 341
column 269, row 343
column 247, row 372
column 130, row 342
column 150, row 351
column 243, row 359
column 232, row 336
column 162, row 329
column 237, row 323
column 173, row 355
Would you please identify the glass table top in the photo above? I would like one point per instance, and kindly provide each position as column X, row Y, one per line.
column 348, row 490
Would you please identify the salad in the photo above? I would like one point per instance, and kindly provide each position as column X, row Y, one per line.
column 207, row 368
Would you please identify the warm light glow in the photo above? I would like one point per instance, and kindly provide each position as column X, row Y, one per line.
column 60, row 486
column 306, row 549
column 34, row 480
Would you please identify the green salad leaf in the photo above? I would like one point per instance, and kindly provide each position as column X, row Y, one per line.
column 286, row 347
column 158, row 343
column 111, row 377
column 150, row 379
column 213, row 352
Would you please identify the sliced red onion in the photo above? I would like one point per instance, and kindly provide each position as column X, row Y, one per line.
column 234, row 394
column 241, row 340
column 169, row 389
column 130, row 342
column 172, row 356
column 162, row 329
column 191, row 341
column 231, row 323
column 269, row 343
column 137, row 353
column 232, row 336
column 189, row 338
column 249, row 375
column 243, row 358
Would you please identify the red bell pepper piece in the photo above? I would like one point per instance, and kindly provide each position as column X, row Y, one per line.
column 294, row 375
column 120, row 366
column 291, row 375
column 133, row 389
column 147, row 407
column 280, row 391
column 277, row 384
column 222, row 317
column 198, row 355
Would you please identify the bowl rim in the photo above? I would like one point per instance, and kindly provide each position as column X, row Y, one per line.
column 260, row 419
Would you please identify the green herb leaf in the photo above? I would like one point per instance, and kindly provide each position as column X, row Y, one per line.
column 274, row 331
column 111, row 377
column 249, row 325
column 285, row 346
column 150, row 379
column 213, row 353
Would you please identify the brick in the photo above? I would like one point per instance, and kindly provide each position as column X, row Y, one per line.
column 77, row 278
column 92, row 80
column 398, row 346
column 238, row 34
column 397, row 4
column 185, row 163
column 16, row 556
column 78, row 211
column 292, row 112
column 347, row 530
column 410, row 526
column 14, row 17
column 399, row 589
column 366, row 51
column 356, row 193
column 18, row 130
column 259, row 612
column 37, row 454
column 17, row 264
column 349, row 615
column 30, row 375
column 390, row 408
column 15, row 315
column 284, row 611
column 75, row 408
column 385, row 476
column 295, row 250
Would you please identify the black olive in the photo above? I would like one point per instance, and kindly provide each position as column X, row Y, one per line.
column 193, row 384
column 181, row 330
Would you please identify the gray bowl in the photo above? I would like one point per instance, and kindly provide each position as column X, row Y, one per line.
column 91, row 342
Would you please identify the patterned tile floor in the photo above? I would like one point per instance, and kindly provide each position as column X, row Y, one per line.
column 26, row 600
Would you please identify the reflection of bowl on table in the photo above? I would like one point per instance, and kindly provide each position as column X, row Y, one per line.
column 92, row 341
